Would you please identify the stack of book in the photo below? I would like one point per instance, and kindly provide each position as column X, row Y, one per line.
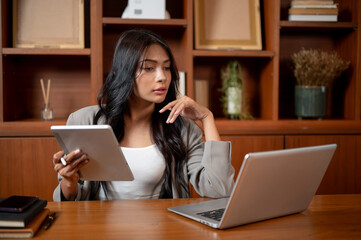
column 23, row 223
column 313, row 10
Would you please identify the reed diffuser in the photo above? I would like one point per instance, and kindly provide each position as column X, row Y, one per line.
column 46, row 112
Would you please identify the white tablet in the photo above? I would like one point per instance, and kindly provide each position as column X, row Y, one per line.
column 107, row 162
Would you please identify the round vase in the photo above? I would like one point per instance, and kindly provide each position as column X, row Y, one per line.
column 310, row 101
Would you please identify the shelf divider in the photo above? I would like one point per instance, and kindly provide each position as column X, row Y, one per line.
column 169, row 23
column 326, row 26
column 46, row 51
column 233, row 53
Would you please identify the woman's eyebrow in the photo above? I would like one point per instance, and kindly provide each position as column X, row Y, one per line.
column 155, row 61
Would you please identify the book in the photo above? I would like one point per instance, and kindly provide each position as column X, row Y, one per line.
column 182, row 84
column 312, row 2
column 312, row 18
column 313, row 11
column 17, row 203
column 19, row 220
column 313, row 6
column 201, row 92
column 30, row 229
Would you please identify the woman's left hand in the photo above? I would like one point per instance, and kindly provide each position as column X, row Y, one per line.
column 186, row 107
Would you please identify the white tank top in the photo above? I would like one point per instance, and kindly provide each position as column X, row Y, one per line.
column 147, row 165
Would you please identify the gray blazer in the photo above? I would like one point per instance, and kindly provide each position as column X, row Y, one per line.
column 208, row 167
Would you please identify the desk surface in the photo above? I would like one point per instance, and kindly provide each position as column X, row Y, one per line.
column 328, row 217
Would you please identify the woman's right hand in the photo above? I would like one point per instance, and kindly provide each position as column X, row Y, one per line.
column 70, row 171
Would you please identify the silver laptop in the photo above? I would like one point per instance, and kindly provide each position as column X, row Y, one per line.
column 269, row 184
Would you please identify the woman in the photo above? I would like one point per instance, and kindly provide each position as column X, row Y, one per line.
column 155, row 130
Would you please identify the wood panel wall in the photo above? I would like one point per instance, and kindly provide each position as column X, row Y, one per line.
column 26, row 166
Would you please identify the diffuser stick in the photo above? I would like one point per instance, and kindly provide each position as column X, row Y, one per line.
column 47, row 93
column 46, row 113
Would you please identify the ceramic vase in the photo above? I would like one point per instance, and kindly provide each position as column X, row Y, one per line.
column 310, row 101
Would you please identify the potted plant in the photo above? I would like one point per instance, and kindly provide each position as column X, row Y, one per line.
column 315, row 71
column 232, row 89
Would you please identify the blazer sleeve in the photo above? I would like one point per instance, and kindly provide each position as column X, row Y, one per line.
column 81, row 117
column 84, row 191
column 208, row 164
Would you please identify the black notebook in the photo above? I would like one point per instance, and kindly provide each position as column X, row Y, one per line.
column 19, row 220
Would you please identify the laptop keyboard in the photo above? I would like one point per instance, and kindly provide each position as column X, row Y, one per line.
column 213, row 214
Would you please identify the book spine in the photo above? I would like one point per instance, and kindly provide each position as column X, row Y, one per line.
column 19, row 220
column 201, row 91
column 314, row 11
column 35, row 210
column 313, row 2
column 313, row 6
column 182, row 84
column 312, row 18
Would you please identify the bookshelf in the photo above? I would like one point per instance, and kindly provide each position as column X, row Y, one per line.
column 268, row 75
column 77, row 76
column 344, row 38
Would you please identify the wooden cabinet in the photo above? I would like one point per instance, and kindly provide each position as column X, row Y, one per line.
column 344, row 38
column 21, row 70
column 260, row 68
column 26, row 167
column 241, row 145
column 344, row 172
column 77, row 76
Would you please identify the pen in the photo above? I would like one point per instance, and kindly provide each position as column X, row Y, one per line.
column 49, row 220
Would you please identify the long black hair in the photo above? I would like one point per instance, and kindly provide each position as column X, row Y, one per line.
column 118, row 87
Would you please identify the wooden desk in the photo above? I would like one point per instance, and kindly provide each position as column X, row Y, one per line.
column 328, row 217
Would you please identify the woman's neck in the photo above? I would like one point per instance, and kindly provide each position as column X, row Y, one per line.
column 140, row 111
column 138, row 126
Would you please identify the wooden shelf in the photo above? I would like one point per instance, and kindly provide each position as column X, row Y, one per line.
column 319, row 26
column 167, row 23
column 233, row 53
column 48, row 51
column 29, row 127
column 37, row 127
column 269, row 127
